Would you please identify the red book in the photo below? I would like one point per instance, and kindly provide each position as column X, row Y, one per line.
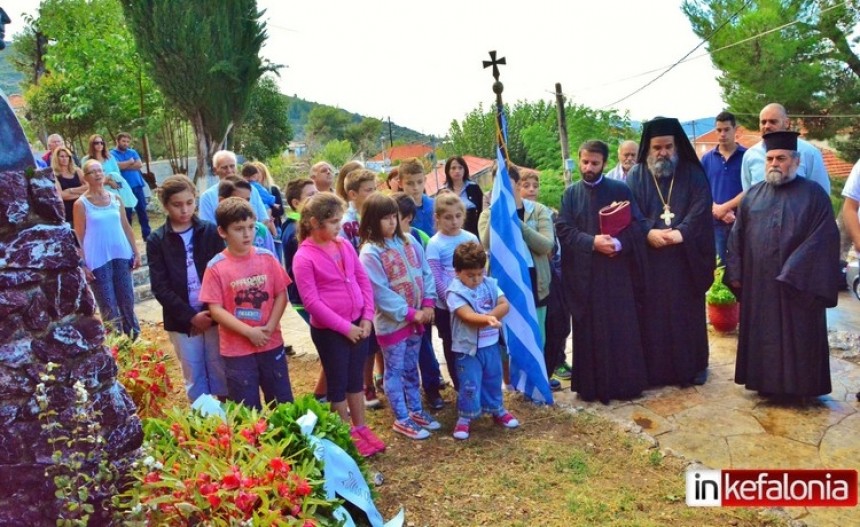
column 614, row 218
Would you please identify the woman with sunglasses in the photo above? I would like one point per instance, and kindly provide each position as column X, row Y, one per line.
column 114, row 182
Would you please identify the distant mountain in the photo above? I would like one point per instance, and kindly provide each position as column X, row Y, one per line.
column 10, row 78
column 300, row 108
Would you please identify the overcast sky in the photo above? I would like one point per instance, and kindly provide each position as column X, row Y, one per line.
column 420, row 62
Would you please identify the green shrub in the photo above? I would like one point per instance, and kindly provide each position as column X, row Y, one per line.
column 719, row 293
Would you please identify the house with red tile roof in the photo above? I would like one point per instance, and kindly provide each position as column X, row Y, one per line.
column 400, row 152
column 836, row 167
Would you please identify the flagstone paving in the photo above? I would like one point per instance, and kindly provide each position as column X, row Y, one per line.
column 720, row 424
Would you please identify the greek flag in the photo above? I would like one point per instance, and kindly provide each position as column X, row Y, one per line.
column 508, row 266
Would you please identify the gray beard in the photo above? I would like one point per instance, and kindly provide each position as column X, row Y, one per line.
column 777, row 178
column 662, row 168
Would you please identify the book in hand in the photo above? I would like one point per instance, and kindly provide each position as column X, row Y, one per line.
column 614, row 218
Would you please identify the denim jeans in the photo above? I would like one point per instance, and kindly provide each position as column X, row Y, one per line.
column 266, row 370
column 140, row 208
column 428, row 365
column 721, row 236
column 480, row 382
column 342, row 362
column 401, row 376
column 114, row 293
column 201, row 362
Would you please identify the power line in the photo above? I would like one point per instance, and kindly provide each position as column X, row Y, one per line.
column 687, row 58
column 670, row 68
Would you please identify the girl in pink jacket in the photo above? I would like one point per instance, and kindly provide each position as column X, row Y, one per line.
column 338, row 297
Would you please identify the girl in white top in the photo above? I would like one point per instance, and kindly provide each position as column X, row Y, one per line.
column 108, row 250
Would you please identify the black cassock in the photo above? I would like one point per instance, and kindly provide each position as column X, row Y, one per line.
column 784, row 250
column 608, row 360
column 674, row 330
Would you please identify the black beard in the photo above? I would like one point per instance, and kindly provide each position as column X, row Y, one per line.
column 590, row 177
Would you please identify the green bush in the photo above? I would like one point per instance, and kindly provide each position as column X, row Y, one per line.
column 719, row 294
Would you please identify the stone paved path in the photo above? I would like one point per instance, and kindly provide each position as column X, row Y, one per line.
column 720, row 424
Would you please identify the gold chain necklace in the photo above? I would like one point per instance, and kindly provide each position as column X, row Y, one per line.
column 667, row 213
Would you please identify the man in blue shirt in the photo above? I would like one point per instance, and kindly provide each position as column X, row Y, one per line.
column 129, row 166
column 723, row 167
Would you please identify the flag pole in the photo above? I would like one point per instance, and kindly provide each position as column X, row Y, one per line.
column 498, row 88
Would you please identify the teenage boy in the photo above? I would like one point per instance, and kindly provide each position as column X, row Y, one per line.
column 412, row 183
column 246, row 291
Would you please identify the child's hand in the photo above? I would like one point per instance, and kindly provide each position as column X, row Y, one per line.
column 355, row 334
column 201, row 322
column 430, row 314
column 421, row 317
column 366, row 326
column 493, row 322
column 258, row 336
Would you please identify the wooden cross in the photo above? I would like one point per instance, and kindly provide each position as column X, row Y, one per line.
column 495, row 64
column 667, row 215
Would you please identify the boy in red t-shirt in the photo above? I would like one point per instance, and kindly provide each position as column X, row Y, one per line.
column 246, row 290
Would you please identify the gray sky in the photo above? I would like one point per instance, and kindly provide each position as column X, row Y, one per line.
column 420, row 63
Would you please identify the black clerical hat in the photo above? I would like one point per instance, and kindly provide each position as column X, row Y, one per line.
column 780, row 141
column 662, row 126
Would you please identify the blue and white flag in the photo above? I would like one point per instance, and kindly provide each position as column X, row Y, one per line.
column 508, row 265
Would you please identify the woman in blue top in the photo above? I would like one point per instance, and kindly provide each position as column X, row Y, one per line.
column 457, row 180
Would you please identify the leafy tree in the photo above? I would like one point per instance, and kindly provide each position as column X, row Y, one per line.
column 364, row 136
column 533, row 139
column 266, row 130
column 205, row 57
column 336, row 152
column 325, row 123
column 808, row 64
column 82, row 69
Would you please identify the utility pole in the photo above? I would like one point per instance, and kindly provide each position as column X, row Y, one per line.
column 390, row 134
column 562, row 132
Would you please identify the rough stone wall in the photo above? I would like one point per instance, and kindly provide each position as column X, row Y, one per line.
column 47, row 315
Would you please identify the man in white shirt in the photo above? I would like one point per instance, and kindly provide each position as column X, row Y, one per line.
column 774, row 118
column 627, row 151
column 850, row 208
column 224, row 165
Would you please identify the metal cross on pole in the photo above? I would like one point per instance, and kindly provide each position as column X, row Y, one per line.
column 498, row 88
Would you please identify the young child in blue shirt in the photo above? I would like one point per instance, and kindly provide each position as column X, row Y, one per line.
column 476, row 304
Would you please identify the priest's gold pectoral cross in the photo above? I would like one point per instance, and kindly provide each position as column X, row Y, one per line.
column 667, row 215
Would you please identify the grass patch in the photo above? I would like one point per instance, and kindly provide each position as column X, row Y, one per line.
column 559, row 469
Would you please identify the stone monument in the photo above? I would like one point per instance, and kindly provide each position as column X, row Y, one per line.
column 47, row 316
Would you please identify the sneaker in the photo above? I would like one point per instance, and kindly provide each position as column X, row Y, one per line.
column 364, row 448
column 370, row 399
column 372, row 439
column 425, row 420
column 321, row 398
column 507, row 420
column 562, row 372
column 554, row 384
column 289, row 350
column 510, row 388
column 461, row 430
column 410, row 429
column 378, row 383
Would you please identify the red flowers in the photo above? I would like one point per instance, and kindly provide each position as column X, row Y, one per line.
column 143, row 371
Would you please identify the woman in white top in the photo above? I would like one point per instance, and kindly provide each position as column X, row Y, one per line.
column 108, row 250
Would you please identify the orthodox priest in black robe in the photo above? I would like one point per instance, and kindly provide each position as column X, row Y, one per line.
column 673, row 193
column 783, row 261
column 602, row 275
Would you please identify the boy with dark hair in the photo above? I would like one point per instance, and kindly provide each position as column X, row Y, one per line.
column 412, row 182
column 246, row 291
column 298, row 192
column 236, row 187
column 476, row 304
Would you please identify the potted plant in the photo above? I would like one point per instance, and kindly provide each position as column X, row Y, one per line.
column 723, row 308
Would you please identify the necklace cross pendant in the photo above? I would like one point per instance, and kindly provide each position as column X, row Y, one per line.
column 667, row 215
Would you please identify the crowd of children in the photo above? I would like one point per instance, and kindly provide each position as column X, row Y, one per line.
column 369, row 271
